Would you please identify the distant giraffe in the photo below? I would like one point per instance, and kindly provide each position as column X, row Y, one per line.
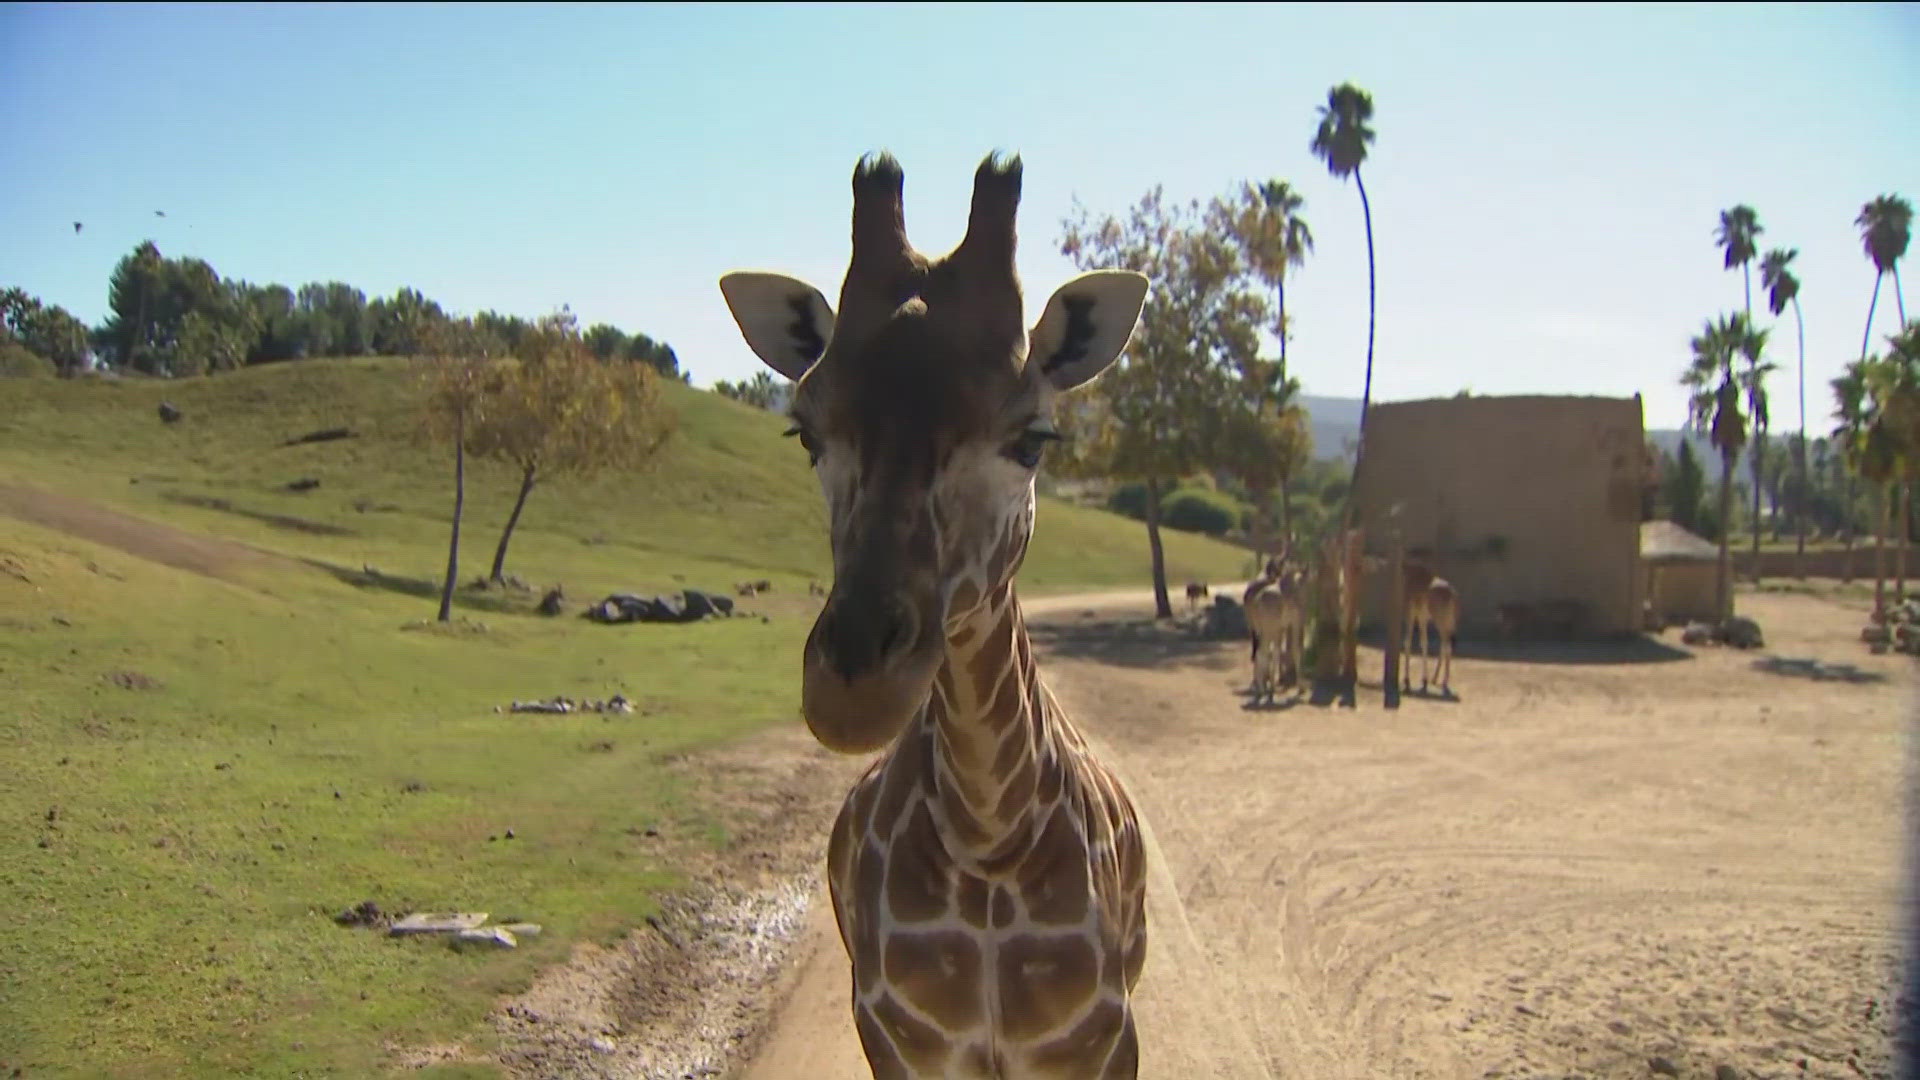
column 1432, row 603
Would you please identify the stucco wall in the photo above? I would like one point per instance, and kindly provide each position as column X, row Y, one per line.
column 1522, row 499
column 1683, row 591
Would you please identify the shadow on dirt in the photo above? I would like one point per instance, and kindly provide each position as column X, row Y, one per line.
column 1818, row 671
column 1625, row 649
column 1129, row 642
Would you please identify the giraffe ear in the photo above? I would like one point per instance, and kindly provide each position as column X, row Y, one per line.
column 785, row 320
column 1086, row 323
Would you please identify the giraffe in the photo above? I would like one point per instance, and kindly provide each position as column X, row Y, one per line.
column 1432, row 603
column 1277, row 616
column 987, row 872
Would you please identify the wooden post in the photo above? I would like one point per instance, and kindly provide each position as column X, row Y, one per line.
column 1396, row 615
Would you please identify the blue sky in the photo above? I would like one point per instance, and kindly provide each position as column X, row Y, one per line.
column 1545, row 182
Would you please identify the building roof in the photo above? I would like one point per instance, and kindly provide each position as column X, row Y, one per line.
column 1663, row 541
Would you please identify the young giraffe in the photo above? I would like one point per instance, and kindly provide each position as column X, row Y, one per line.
column 987, row 872
column 1277, row 616
column 1432, row 603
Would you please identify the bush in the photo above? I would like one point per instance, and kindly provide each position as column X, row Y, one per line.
column 1129, row 500
column 1192, row 510
column 19, row 362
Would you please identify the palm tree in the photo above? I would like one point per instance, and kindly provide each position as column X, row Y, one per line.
column 1783, row 288
column 1850, row 426
column 1886, row 224
column 1294, row 242
column 1737, row 236
column 1277, row 241
column 1715, row 410
column 1895, row 384
column 1341, row 141
column 1753, row 385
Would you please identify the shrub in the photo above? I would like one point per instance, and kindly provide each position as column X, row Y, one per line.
column 1208, row 512
column 19, row 362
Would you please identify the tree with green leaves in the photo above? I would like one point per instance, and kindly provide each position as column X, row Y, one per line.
column 1341, row 140
column 1886, row 226
column 1159, row 411
column 1850, row 415
column 761, row 391
column 558, row 410
column 1685, row 486
column 1715, row 401
column 1783, row 289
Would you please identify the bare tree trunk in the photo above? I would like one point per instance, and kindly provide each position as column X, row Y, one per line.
column 1723, row 579
column 498, row 575
column 1846, row 524
column 1866, row 336
column 1800, row 455
column 1903, row 497
column 1880, row 559
column 459, row 503
column 1366, row 388
column 1757, row 449
column 1162, row 606
column 1286, row 512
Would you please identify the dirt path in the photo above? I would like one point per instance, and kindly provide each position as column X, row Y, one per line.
column 150, row 540
column 1577, row 869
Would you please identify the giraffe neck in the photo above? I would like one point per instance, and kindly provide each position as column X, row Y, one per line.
column 992, row 737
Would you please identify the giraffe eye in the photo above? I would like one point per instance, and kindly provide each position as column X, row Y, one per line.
column 806, row 443
column 1027, row 448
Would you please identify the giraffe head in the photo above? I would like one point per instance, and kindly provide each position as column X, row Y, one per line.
column 924, row 404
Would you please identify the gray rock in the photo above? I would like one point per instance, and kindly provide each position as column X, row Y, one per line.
column 1663, row 1066
column 496, row 936
column 551, row 603
column 1697, row 633
column 437, row 922
column 1226, row 619
column 169, row 413
column 1725, row 1072
column 1742, row 633
column 522, row 929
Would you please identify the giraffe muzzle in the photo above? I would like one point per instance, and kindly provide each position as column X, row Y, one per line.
column 869, row 666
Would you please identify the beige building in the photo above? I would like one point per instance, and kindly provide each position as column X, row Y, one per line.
column 1682, row 574
column 1518, row 500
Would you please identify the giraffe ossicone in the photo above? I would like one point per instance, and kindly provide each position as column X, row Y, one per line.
column 987, row 871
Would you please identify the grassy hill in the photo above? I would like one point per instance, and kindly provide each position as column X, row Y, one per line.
column 220, row 731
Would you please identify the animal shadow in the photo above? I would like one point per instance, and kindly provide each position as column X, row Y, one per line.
column 1818, row 671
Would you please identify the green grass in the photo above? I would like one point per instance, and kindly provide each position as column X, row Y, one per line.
column 303, row 744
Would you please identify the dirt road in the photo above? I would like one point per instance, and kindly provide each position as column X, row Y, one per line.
column 1596, row 867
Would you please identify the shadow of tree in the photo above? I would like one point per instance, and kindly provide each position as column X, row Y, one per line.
column 493, row 602
column 278, row 521
column 1818, row 671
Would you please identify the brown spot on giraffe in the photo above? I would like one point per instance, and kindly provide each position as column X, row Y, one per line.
column 986, row 874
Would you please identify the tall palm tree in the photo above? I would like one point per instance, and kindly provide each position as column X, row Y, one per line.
column 1753, row 385
column 1294, row 242
column 1886, row 224
column 1738, row 237
column 1715, row 401
column 1341, row 141
column 1277, row 241
column 1783, row 288
column 1851, row 417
